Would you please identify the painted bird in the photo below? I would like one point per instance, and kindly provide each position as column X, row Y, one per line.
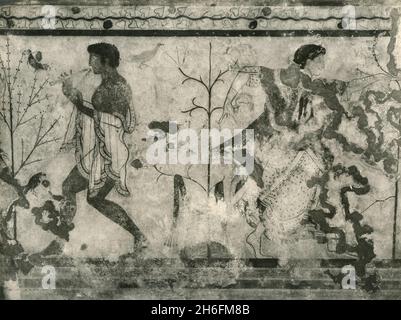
column 146, row 55
column 35, row 60
column 36, row 180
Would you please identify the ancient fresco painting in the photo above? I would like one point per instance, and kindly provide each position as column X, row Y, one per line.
column 161, row 149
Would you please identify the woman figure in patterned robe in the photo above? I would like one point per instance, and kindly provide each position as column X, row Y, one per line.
column 289, row 137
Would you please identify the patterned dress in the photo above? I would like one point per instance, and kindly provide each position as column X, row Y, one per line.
column 276, row 207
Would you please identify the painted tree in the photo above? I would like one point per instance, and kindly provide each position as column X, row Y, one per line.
column 208, row 110
column 22, row 109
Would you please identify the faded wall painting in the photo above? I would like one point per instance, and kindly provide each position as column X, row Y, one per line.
column 197, row 151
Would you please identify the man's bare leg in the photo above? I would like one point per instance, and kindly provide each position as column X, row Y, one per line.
column 115, row 213
column 73, row 184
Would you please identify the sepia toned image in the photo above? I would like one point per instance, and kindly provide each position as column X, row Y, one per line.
column 200, row 150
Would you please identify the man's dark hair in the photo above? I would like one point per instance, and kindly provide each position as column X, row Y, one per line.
column 308, row 52
column 106, row 50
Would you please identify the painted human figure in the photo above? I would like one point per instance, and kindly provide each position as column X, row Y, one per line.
column 301, row 110
column 100, row 149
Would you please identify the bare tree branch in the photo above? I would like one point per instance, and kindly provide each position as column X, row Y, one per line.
column 32, row 161
column 188, row 176
column 218, row 78
column 196, row 106
column 17, row 70
column 30, row 104
column 39, row 141
column 376, row 201
column 376, row 58
column 24, row 122
column 214, row 109
column 19, row 119
column 19, row 104
column 5, row 120
column 32, row 96
column 35, row 80
column 176, row 63
column 40, row 89
column 8, row 53
column 161, row 173
column 4, row 79
column 39, row 100
column 193, row 109
column 187, row 78
column 3, row 69
column 49, row 141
